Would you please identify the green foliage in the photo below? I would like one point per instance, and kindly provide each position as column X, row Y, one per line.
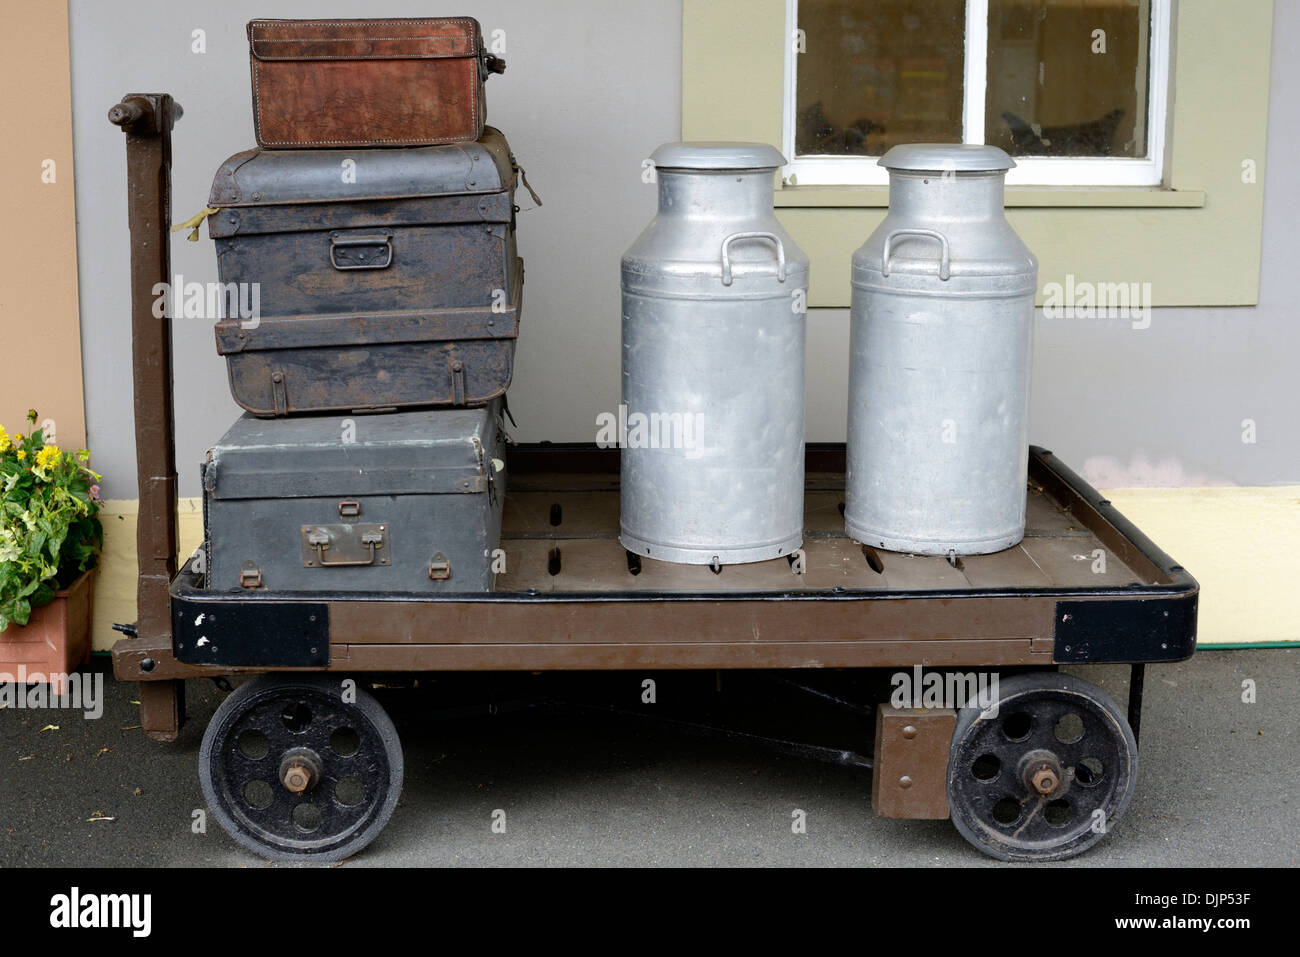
column 49, row 525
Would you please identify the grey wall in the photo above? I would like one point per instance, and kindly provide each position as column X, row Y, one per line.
column 1165, row 405
column 592, row 88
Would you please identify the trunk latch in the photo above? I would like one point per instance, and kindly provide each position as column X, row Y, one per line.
column 439, row 567
column 250, row 576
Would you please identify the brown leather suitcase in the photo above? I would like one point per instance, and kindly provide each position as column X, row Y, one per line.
column 364, row 83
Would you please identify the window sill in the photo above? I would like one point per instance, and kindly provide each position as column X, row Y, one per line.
column 1093, row 197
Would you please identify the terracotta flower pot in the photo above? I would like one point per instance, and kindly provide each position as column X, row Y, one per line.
column 56, row 639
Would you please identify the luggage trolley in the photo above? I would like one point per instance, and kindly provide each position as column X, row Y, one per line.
column 1041, row 775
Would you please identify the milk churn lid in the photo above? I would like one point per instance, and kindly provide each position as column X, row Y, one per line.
column 960, row 157
column 717, row 156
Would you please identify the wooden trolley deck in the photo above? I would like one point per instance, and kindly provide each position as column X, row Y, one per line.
column 1084, row 586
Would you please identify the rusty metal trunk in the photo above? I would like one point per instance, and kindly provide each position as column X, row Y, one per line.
column 367, row 279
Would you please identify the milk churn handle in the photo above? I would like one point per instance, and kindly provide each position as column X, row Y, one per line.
column 944, row 259
column 726, row 260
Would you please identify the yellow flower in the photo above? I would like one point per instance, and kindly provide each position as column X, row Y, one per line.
column 48, row 456
column 5, row 442
column 22, row 454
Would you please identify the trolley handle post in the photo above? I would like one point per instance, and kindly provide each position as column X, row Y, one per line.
column 147, row 120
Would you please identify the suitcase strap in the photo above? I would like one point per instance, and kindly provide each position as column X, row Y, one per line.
column 521, row 174
column 195, row 221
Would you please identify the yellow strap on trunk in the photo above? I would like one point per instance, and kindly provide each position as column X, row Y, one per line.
column 194, row 222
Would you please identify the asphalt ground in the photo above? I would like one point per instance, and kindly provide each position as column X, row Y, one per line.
column 1217, row 783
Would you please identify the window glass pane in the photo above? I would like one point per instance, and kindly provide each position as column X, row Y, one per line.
column 875, row 73
column 1068, row 77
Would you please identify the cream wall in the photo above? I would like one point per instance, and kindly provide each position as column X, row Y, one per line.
column 115, row 589
column 1238, row 543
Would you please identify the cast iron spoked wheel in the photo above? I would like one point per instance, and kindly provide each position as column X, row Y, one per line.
column 1047, row 776
column 294, row 773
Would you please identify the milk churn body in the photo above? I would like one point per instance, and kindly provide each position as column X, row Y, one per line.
column 940, row 350
column 713, row 346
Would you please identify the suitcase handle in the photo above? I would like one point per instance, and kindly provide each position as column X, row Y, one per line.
column 726, row 259
column 320, row 542
column 944, row 259
column 345, row 242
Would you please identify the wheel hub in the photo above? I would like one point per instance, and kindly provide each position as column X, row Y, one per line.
column 1041, row 772
column 1045, row 780
column 300, row 769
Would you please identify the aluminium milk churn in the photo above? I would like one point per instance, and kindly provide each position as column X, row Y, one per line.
column 940, row 348
column 714, row 294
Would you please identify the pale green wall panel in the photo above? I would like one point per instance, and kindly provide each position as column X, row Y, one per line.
column 1206, row 253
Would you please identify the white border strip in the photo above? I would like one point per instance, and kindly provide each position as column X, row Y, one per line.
column 1030, row 171
column 975, row 82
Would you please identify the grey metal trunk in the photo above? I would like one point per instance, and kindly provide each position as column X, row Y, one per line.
column 407, row 502
column 368, row 279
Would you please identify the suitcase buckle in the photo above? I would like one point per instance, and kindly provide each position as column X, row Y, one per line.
column 439, row 567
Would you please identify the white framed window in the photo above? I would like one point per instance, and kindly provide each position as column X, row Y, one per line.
column 1076, row 90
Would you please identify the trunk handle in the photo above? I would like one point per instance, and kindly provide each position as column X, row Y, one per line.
column 380, row 239
column 320, row 542
column 726, row 260
column 944, row 258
